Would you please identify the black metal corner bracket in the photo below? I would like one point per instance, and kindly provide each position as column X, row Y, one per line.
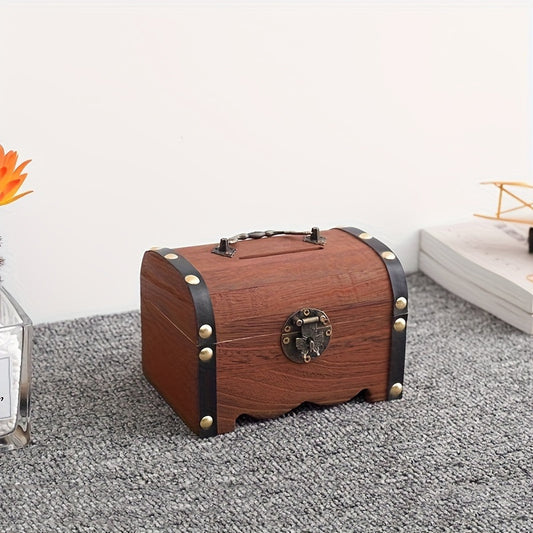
column 399, row 309
column 206, row 341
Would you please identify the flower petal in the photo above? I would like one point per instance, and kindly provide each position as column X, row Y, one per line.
column 10, row 189
column 11, row 178
column 20, row 168
column 10, row 161
column 5, row 202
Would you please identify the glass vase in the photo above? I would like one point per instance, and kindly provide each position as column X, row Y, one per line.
column 16, row 338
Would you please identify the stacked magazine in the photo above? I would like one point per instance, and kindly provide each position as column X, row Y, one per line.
column 486, row 263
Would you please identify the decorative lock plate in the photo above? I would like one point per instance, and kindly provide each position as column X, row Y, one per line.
column 305, row 335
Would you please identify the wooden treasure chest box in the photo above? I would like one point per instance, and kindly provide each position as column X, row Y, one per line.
column 265, row 321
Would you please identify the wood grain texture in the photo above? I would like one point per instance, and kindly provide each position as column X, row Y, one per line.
column 252, row 295
column 255, row 377
column 168, row 327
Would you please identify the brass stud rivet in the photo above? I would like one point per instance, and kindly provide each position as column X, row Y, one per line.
column 306, row 312
column 401, row 303
column 171, row 256
column 191, row 279
column 399, row 324
column 206, row 422
column 388, row 255
column 205, row 331
column 287, row 329
column 328, row 333
column 205, row 354
column 365, row 236
column 396, row 390
column 286, row 340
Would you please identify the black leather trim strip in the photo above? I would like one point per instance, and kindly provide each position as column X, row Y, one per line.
column 399, row 310
column 207, row 392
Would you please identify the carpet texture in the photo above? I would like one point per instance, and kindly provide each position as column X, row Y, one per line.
column 455, row 454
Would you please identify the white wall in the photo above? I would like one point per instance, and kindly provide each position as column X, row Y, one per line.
column 159, row 124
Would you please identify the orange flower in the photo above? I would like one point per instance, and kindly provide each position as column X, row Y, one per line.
column 10, row 177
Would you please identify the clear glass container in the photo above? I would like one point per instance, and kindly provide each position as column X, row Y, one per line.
column 16, row 338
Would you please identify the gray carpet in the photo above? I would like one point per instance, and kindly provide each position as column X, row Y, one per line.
column 109, row 455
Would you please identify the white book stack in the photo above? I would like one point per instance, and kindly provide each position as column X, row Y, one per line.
column 486, row 263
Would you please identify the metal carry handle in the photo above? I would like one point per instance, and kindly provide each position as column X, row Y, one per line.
column 225, row 249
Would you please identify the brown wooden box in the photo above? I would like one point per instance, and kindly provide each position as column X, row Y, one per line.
column 215, row 328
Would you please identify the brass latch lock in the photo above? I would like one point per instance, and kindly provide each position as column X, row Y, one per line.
column 305, row 335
